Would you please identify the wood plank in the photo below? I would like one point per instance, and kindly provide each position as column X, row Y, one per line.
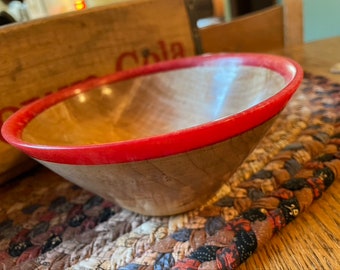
column 293, row 22
column 246, row 33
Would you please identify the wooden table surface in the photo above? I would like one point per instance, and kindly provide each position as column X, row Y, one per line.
column 312, row 241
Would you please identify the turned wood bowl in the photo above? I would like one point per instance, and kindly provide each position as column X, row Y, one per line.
column 159, row 139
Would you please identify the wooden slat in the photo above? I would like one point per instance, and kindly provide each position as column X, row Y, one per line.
column 293, row 22
column 256, row 32
column 219, row 7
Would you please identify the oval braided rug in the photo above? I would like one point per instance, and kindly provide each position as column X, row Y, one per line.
column 49, row 223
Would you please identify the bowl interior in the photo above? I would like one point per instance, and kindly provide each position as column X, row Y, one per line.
column 152, row 104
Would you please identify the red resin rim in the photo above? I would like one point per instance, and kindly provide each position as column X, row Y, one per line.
column 163, row 145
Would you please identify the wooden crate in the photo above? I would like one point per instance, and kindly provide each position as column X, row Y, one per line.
column 42, row 56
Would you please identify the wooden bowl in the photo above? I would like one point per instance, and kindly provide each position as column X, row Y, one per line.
column 158, row 140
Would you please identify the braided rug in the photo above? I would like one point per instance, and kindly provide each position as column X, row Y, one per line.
column 49, row 223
